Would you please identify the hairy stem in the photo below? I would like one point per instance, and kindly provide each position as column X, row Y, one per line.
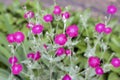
column 50, row 71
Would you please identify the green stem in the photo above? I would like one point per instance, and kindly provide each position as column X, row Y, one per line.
column 86, row 31
column 99, row 38
column 57, row 27
column 110, row 57
column 64, row 26
column 86, row 73
column 50, row 71
column 54, row 2
column 108, row 20
column 102, row 55
column 50, row 27
column 13, row 54
column 80, row 34
column 24, row 49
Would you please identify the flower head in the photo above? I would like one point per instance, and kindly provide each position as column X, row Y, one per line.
column 100, row 27
column 111, row 9
column 99, row 71
column 29, row 14
column 19, row 37
column 48, row 18
column 16, row 69
column 68, row 52
column 66, row 77
column 115, row 62
column 13, row 60
column 60, row 51
column 94, row 61
column 72, row 31
column 45, row 46
column 57, row 10
column 107, row 30
column 10, row 38
column 66, row 15
column 37, row 56
column 37, row 29
column 30, row 25
column 30, row 55
column 60, row 39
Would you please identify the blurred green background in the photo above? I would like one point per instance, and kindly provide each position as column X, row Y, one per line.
column 11, row 20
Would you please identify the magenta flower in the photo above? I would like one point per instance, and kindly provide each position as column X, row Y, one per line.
column 99, row 71
column 45, row 46
column 29, row 14
column 34, row 56
column 19, row 37
column 66, row 77
column 10, row 38
column 94, row 61
column 72, row 31
column 68, row 52
column 66, row 15
column 37, row 29
column 115, row 62
column 60, row 39
column 111, row 9
column 13, row 60
column 107, row 30
column 100, row 27
column 16, row 69
column 57, row 10
column 48, row 18
column 30, row 25
column 37, row 56
column 30, row 55
column 60, row 51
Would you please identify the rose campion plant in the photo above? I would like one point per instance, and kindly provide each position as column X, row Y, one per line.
column 53, row 53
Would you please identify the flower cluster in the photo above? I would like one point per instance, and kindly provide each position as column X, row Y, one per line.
column 101, row 28
column 16, row 67
column 34, row 56
column 60, row 43
column 60, row 51
column 17, row 37
column 94, row 62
